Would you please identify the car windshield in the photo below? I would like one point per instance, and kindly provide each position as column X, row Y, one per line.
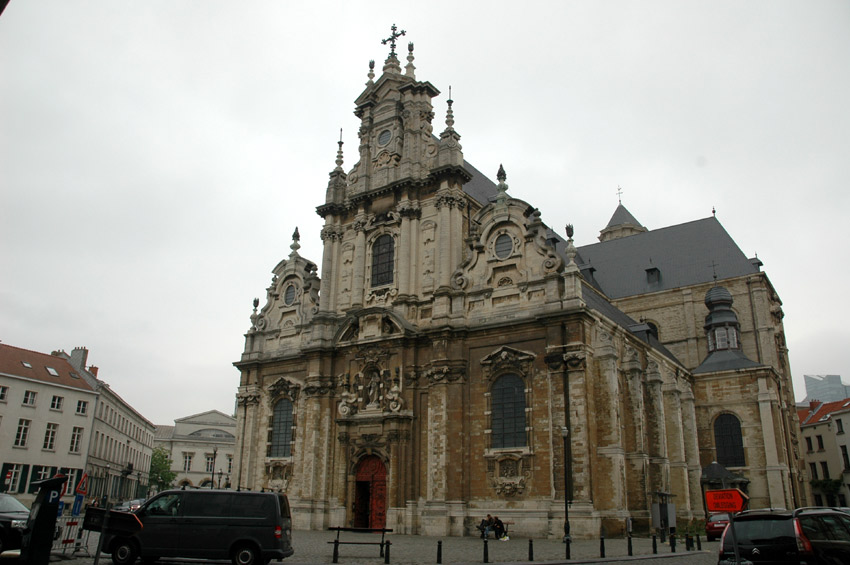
column 11, row 504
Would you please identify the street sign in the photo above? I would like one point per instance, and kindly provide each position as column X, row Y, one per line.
column 83, row 486
column 726, row 500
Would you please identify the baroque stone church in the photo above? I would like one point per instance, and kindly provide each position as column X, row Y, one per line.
column 455, row 356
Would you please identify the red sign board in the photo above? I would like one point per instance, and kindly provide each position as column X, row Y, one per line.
column 726, row 500
column 83, row 486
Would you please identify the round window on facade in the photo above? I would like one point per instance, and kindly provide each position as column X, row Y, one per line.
column 289, row 295
column 504, row 245
column 384, row 137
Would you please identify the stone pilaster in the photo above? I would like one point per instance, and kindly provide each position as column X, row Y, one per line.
column 689, row 433
column 359, row 262
column 610, row 469
column 246, row 456
column 675, row 445
column 656, row 437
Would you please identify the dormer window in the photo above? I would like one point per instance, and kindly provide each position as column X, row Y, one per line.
column 383, row 258
column 722, row 338
column 653, row 275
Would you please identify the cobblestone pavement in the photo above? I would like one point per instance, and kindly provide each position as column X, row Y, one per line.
column 312, row 547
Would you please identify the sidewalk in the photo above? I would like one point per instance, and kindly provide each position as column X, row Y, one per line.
column 312, row 547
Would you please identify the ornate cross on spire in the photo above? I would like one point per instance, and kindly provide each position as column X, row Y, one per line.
column 391, row 39
column 619, row 194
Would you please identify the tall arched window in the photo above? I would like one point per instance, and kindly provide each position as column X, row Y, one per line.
column 508, row 413
column 728, row 441
column 383, row 256
column 281, row 444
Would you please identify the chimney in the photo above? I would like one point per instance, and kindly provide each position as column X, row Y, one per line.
column 813, row 404
column 79, row 355
column 93, row 370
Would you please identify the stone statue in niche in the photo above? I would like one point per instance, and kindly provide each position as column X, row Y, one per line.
column 373, row 389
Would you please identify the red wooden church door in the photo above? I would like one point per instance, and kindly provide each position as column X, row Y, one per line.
column 370, row 496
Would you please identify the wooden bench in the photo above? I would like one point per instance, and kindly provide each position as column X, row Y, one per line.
column 337, row 542
column 504, row 523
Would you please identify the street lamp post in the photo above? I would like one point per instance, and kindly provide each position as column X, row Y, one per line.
column 565, row 432
column 212, row 470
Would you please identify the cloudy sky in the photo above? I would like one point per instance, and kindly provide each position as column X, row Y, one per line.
column 155, row 157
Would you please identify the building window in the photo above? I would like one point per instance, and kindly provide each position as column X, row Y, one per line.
column 76, row 440
column 813, row 469
column 845, row 458
column 818, row 500
column 82, row 407
column 809, row 444
column 508, row 412
column 289, row 295
column 16, row 471
column 728, row 441
column 503, row 246
column 50, row 436
column 825, row 468
column 209, row 465
column 383, row 260
column 56, row 402
column 187, row 462
column 839, row 425
column 29, row 398
column 281, row 436
column 820, row 443
column 4, row 393
column 22, row 433
column 229, row 464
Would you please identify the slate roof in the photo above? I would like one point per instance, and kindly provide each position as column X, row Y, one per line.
column 12, row 361
column 683, row 255
column 480, row 187
column 622, row 216
column 725, row 360
column 818, row 412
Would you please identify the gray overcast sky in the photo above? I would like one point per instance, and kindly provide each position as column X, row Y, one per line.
column 155, row 157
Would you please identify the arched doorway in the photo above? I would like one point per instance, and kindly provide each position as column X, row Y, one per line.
column 370, row 493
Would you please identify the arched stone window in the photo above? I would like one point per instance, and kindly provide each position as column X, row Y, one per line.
column 281, row 436
column 508, row 412
column 383, row 258
column 728, row 441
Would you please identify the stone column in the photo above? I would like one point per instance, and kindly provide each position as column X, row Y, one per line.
column 403, row 252
column 676, row 447
column 610, row 494
column 326, row 291
column 359, row 262
column 246, row 456
column 689, row 431
column 657, row 437
column 776, row 475
column 577, row 378
column 444, row 242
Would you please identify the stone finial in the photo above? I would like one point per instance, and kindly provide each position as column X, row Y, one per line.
column 295, row 245
column 410, row 68
column 339, row 153
column 450, row 115
column 502, row 195
column 571, row 251
column 371, row 74
column 256, row 303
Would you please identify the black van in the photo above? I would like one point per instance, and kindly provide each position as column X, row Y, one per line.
column 249, row 528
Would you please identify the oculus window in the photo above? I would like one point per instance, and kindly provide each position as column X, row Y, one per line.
column 383, row 257
column 503, row 246
column 508, row 412
column 281, row 433
column 289, row 295
column 728, row 441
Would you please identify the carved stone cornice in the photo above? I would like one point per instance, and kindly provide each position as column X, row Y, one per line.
column 575, row 360
column 507, row 359
column 445, row 374
column 410, row 210
column 319, row 386
column 248, row 398
column 283, row 388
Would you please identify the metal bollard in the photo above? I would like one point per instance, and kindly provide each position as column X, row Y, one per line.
column 531, row 550
column 672, row 543
column 440, row 551
column 336, row 551
column 486, row 552
column 699, row 543
column 569, row 542
column 689, row 543
column 602, row 542
column 654, row 545
column 387, row 552
column 629, row 544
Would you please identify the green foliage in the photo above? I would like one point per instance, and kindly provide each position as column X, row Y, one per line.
column 829, row 487
column 161, row 475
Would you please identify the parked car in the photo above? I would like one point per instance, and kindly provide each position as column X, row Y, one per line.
column 249, row 528
column 11, row 510
column 810, row 536
column 715, row 525
column 129, row 505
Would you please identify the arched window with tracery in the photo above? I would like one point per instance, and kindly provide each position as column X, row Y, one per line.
column 728, row 441
column 507, row 423
column 383, row 258
column 281, row 432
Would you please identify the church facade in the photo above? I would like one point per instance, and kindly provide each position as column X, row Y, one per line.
column 458, row 357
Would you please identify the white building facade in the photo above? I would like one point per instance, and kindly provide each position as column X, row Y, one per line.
column 201, row 448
